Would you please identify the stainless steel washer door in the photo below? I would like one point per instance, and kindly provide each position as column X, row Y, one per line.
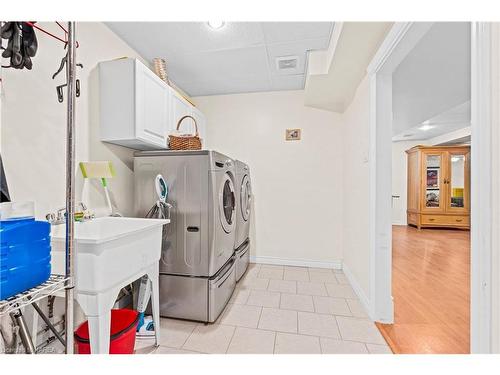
column 227, row 203
column 245, row 198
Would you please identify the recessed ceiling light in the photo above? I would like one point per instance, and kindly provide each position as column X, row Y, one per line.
column 216, row 24
column 426, row 127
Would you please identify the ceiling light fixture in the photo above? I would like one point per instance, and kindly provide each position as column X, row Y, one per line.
column 426, row 127
column 216, row 24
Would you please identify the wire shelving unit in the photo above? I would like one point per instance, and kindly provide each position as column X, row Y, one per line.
column 53, row 285
column 57, row 283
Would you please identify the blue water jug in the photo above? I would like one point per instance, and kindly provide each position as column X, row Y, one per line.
column 25, row 255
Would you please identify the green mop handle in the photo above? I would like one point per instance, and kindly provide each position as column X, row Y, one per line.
column 106, row 192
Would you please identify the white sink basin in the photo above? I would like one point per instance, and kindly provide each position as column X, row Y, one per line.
column 108, row 250
column 105, row 229
column 111, row 252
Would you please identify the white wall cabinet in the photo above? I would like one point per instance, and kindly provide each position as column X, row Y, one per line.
column 202, row 123
column 137, row 109
column 134, row 105
column 180, row 107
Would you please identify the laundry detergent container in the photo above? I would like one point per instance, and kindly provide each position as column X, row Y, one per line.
column 25, row 254
column 122, row 333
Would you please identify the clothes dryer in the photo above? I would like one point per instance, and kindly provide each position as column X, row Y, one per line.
column 197, row 267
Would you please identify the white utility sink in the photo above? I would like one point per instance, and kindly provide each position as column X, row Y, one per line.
column 104, row 229
column 110, row 253
column 108, row 249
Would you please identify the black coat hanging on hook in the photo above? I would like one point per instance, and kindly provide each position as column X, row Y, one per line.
column 21, row 44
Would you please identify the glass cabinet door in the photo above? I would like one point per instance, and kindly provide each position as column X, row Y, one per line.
column 433, row 181
column 457, row 182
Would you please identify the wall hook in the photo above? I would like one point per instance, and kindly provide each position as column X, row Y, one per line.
column 59, row 89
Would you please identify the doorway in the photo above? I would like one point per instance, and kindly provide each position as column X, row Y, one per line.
column 400, row 42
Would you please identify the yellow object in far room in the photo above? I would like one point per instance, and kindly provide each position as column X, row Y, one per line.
column 457, row 192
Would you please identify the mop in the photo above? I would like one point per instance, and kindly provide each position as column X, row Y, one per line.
column 101, row 170
column 160, row 210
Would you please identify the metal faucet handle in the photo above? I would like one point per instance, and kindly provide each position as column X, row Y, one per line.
column 61, row 214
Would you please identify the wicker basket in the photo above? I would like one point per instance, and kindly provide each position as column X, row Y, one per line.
column 160, row 68
column 185, row 142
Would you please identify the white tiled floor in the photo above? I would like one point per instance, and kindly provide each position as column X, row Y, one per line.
column 279, row 309
column 296, row 302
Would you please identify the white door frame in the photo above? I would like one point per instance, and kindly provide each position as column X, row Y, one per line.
column 400, row 40
column 483, row 211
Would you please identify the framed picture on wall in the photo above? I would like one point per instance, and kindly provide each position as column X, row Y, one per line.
column 293, row 134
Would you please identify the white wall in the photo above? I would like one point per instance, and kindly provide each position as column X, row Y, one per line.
column 355, row 142
column 34, row 124
column 297, row 185
column 434, row 77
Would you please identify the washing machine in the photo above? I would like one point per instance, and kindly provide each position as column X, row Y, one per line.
column 197, row 266
column 243, row 210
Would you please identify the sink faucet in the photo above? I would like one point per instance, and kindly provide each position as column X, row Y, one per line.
column 60, row 216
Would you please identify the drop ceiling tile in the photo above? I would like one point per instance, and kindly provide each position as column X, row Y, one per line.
column 167, row 39
column 288, row 82
column 240, row 57
column 276, row 32
column 297, row 47
column 228, row 64
column 224, row 86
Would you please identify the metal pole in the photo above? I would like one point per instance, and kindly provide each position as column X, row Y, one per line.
column 48, row 323
column 24, row 332
column 70, row 187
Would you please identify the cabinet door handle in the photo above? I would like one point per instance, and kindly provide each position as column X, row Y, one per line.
column 431, row 219
column 459, row 220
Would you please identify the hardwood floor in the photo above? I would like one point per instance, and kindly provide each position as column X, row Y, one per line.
column 431, row 288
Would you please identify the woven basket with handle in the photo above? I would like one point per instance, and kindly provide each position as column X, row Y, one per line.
column 185, row 142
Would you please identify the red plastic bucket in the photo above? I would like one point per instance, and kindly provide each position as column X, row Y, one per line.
column 122, row 335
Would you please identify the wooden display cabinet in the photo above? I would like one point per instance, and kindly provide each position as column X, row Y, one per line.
column 439, row 186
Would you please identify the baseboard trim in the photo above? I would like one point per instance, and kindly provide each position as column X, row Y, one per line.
column 296, row 262
column 363, row 298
